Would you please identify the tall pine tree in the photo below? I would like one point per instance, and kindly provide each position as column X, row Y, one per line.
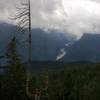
column 16, row 76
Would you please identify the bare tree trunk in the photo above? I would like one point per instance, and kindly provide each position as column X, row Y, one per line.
column 30, row 39
column 36, row 97
column 24, row 20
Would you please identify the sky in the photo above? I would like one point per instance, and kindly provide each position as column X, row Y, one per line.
column 75, row 17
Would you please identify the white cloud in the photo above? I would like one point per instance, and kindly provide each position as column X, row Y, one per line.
column 72, row 16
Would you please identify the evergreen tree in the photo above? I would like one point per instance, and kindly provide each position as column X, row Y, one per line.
column 16, row 76
column 12, row 55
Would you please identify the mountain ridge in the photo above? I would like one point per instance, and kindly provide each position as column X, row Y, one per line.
column 87, row 48
column 45, row 45
column 48, row 45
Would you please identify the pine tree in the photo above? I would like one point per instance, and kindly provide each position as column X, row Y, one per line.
column 13, row 58
column 16, row 75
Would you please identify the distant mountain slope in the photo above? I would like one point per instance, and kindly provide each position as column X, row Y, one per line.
column 85, row 49
column 45, row 45
column 53, row 45
column 6, row 30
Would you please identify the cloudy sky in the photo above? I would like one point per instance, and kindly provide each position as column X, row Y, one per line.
column 71, row 16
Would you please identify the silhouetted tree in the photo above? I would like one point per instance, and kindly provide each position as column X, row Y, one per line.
column 24, row 20
column 15, row 75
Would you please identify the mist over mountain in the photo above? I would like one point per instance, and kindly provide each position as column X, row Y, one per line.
column 46, row 45
column 52, row 45
column 85, row 49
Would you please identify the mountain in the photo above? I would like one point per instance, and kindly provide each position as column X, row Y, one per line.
column 52, row 45
column 46, row 45
column 6, row 31
column 85, row 49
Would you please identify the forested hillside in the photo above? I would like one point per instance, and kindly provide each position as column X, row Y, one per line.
column 71, row 82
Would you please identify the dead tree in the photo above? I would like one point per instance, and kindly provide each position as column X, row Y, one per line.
column 23, row 19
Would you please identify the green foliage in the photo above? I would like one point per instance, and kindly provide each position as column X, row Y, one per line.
column 15, row 77
column 74, row 82
column 12, row 55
